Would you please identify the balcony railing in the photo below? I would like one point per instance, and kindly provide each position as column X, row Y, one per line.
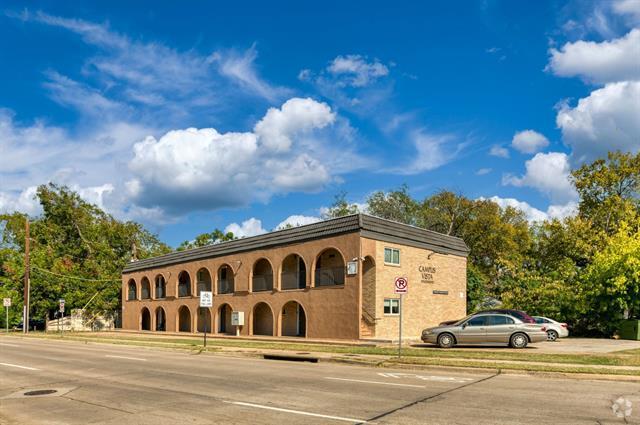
column 293, row 280
column 183, row 290
column 203, row 286
column 225, row 286
column 160, row 292
column 262, row 283
column 330, row 276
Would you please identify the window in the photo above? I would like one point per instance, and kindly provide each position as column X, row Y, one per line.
column 500, row 320
column 477, row 321
column 391, row 306
column 541, row 320
column 392, row 256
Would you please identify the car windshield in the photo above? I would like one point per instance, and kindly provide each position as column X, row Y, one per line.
column 461, row 321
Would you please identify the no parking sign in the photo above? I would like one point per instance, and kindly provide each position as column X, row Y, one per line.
column 401, row 285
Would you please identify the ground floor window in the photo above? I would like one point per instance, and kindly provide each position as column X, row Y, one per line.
column 391, row 306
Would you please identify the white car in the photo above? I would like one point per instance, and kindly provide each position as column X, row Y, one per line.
column 555, row 329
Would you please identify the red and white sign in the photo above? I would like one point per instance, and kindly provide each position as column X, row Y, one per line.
column 6, row 302
column 401, row 285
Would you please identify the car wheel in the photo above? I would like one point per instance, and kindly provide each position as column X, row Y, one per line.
column 518, row 340
column 552, row 335
column 446, row 340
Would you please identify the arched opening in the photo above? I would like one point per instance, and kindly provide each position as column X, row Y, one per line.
column 294, row 320
column 225, row 280
column 368, row 321
column 161, row 287
column 161, row 319
column 184, row 319
column 204, row 320
column 262, row 276
column 145, row 289
column 204, row 281
column 330, row 268
column 224, row 319
column 145, row 319
column 262, row 319
column 294, row 273
column 184, row 284
column 132, row 290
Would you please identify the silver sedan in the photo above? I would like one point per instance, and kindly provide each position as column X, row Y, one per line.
column 486, row 329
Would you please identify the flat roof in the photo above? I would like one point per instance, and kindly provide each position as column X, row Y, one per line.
column 367, row 225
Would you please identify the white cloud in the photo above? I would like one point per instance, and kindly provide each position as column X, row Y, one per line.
column 608, row 61
column 630, row 8
column 533, row 214
column 499, row 151
column 549, row 174
column 297, row 220
column 278, row 127
column 24, row 202
column 194, row 169
column 431, row 151
column 483, row 171
column 356, row 71
column 606, row 120
column 250, row 227
column 529, row 141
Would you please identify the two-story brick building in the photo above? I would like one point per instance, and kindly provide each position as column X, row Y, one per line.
column 332, row 279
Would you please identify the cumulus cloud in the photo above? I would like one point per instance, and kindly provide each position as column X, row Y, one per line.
column 356, row 71
column 608, row 61
column 297, row 220
column 499, row 151
column 204, row 169
column 24, row 202
column 630, row 8
column 606, row 120
column 549, row 174
column 534, row 214
column 529, row 141
column 250, row 227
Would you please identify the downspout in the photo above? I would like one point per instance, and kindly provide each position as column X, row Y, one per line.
column 359, row 262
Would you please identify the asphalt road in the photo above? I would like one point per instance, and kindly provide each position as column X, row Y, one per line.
column 107, row 384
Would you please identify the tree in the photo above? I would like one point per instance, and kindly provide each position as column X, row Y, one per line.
column 396, row 205
column 340, row 207
column 205, row 239
column 445, row 212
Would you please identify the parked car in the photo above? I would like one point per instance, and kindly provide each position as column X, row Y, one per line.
column 555, row 329
column 486, row 328
column 34, row 325
column 515, row 313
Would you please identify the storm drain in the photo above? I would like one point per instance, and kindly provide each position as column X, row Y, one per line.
column 41, row 392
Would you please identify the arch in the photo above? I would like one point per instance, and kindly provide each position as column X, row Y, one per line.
column 204, row 320
column 293, row 272
column 160, row 287
column 294, row 320
column 145, row 289
column 369, row 292
column 224, row 319
column 203, row 279
column 161, row 320
column 184, row 284
column 262, row 276
column 184, row 319
column 262, row 319
column 132, row 290
column 145, row 319
column 226, row 281
column 329, row 268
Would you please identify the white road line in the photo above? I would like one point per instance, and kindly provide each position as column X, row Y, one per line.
column 18, row 366
column 8, row 345
column 297, row 412
column 375, row 382
column 126, row 358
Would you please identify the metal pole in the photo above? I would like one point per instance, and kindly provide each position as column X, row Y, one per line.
column 25, row 312
column 62, row 323
column 400, row 328
column 7, row 323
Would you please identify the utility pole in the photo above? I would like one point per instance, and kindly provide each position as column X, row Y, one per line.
column 25, row 314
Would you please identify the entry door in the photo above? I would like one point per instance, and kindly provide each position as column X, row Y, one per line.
column 474, row 332
column 223, row 320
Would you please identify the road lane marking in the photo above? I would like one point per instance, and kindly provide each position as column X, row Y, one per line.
column 18, row 366
column 375, row 382
column 8, row 345
column 426, row 377
column 126, row 358
column 297, row 412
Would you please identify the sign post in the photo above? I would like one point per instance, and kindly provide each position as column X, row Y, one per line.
column 61, row 310
column 7, row 303
column 206, row 301
column 401, row 287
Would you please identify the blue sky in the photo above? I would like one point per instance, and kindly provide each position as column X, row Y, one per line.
column 241, row 116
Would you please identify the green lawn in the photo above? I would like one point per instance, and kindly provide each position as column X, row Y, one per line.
column 621, row 358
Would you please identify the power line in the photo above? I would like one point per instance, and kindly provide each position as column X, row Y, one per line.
column 74, row 277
